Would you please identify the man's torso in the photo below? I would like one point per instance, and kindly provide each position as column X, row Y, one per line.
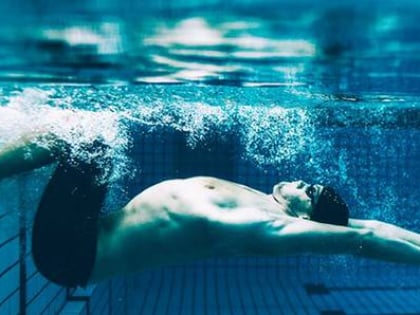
column 201, row 196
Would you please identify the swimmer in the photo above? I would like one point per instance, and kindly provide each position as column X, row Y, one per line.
column 183, row 220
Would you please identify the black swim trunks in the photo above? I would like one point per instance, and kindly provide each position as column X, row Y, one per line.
column 65, row 231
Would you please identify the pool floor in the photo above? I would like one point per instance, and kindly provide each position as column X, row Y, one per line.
column 256, row 290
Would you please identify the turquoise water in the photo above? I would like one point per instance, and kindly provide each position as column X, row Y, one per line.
column 327, row 48
column 252, row 93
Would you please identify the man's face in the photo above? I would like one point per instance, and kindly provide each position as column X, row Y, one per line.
column 299, row 196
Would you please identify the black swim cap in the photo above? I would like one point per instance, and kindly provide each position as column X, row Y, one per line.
column 330, row 208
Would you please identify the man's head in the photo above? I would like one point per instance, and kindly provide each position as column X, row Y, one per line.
column 314, row 202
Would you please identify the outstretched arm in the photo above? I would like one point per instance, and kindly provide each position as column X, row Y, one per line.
column 370, row 242
column 387, row 229
column 267, row 236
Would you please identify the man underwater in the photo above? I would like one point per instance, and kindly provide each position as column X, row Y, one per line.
column 183, row 220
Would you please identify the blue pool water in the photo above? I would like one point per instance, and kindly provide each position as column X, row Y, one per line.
column 250, row 92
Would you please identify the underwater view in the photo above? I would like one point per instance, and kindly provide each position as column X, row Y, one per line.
column 258, row 106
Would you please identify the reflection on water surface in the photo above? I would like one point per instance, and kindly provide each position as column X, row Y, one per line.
column 341, row 49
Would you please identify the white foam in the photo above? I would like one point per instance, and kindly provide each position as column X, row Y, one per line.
column 38, row 111
column 273, row 136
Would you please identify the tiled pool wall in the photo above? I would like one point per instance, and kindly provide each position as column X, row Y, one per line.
column 306, row 284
